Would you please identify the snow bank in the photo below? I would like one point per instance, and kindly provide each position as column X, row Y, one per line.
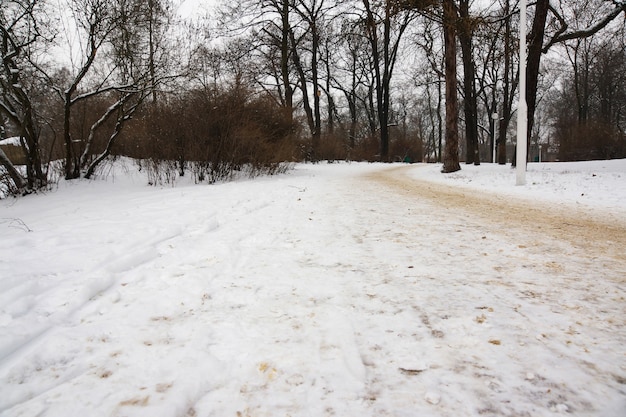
column 593, row 183
column 14, row 141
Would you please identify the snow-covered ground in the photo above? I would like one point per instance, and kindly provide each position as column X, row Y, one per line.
column 13, row 141
column 321, row 292
column 601, row 184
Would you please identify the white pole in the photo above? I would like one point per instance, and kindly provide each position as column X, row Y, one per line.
column 522, row 108
column 496, row 120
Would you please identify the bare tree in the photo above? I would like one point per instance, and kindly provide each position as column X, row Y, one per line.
column 536, row 47
column 451, row 149
column 510, row 82
column 270, row 22
column 19, row 32
column 430, row 76
column 497, row 76
column 352, row 76
column 113, row 67
column 95, row 19
column 596, row 82
column 385, row 25
column 314, row 15
column 467, row 26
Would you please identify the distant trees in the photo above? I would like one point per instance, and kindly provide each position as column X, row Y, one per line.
column 385, row 24
column 594, row 127
column 599, row 15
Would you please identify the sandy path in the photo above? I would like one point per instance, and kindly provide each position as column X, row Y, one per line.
column 595, row 233
column 552, row 269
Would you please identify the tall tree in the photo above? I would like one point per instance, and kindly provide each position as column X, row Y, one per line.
column 267, row 25
column 510, row 82
column 432, row 76
column 312, row 13
column 19, row 32
column 467, row 26
column 352, row 76
column 536, row 45
column 385, row 24
column 282, row 7
column 451, row 149
column 95, row 19
column 114, row 39
column 158, row 19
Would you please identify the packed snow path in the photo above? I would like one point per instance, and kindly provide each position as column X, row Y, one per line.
column 344, row 290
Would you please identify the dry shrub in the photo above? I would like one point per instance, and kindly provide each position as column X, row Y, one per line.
column 214, row 134
column 406, row 150
column 333, row 146
column 594, row 140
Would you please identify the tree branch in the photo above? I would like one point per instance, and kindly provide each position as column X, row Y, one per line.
column 561, row 36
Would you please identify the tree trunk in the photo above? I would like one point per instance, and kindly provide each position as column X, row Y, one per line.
column 329, row 97
column 509, row 88
column 535, row 47
column 451, row 150
column 71, row 165
column 376, row 63
column 121, row 120
column 317, row 117
column 151, row 51
column 284, row 61
column 384, row 54
column 469, row 88
column 439, row 122
column 19, row 181
column 306, row 103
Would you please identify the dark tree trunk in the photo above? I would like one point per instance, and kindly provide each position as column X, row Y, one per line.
column 535, row 46
column 384, row 54
column 71, row 164
column 451, row 150
column 317, row 117
column 284, row 61
column 509, row 87
column 469, row 87
column 16, row 177
column 439, row 123
column 329, row 97
column 151, row 51
column 306, row 102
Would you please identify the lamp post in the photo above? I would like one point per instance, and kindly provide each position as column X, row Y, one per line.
column 496, row 118
column 522, row 108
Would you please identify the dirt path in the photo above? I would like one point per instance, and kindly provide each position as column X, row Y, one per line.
column 597, row 234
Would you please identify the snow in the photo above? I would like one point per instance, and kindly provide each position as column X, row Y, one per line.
column 330, row 290
column 601, row 184
column 13, row 141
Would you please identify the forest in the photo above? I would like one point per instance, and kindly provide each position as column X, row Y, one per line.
column 251, row 86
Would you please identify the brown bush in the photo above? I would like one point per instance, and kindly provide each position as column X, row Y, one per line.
column 213, row 134
column 594, row 140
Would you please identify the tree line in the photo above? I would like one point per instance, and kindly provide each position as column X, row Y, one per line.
column 258, row 84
